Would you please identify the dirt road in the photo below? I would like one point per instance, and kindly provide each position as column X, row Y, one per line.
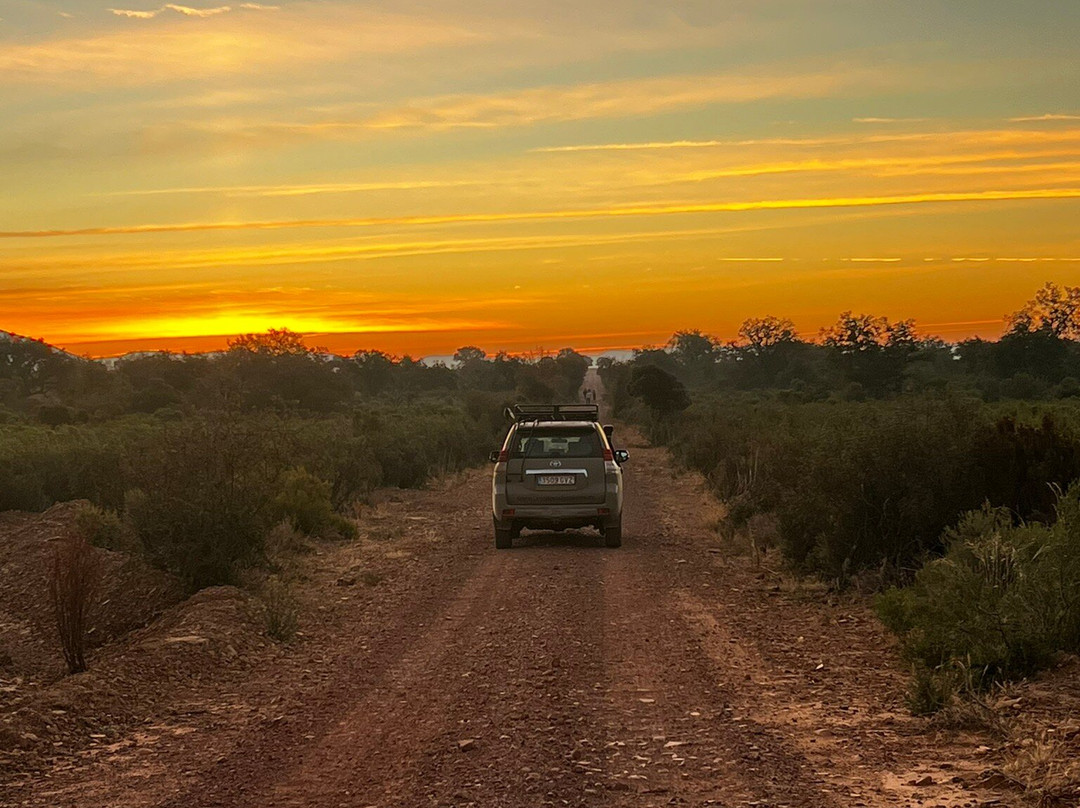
column 667, row 672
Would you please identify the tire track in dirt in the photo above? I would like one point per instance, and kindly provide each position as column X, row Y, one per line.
column 496, row 671
column 681, row 739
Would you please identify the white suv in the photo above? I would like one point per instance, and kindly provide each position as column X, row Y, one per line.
column 556, row 470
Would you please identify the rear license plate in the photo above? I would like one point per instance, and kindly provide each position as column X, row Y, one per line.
column 555, row 479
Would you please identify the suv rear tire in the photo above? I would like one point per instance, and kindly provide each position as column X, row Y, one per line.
column 613, row 536
column 504, row 539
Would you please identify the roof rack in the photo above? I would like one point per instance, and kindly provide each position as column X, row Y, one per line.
column 553, row 412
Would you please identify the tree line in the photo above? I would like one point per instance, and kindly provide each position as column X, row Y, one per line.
column 270, row 371
column 864, row 356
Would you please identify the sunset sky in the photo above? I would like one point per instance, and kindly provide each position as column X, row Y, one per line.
column 419, row 175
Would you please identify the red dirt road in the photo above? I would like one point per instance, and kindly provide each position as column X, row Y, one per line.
column 558, row 673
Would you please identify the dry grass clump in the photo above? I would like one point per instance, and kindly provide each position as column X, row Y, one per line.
column 371, row 578
column 284, row 543
column 1047, row 769
column 280, row 609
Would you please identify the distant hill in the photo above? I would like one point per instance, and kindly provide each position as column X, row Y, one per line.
column 617, row 355
column 16, row 339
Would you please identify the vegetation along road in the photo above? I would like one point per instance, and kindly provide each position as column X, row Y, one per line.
column 431, row 669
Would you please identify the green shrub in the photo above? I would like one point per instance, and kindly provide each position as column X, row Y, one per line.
column 304, row 501
column 200, row 493
column 855, row 485
column 55, row 414
column 1003, row 600
column 41, row 466
column 103, row 527
column 930, row 690
column 202, row 505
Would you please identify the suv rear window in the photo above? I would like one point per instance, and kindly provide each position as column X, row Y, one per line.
column 549, row 443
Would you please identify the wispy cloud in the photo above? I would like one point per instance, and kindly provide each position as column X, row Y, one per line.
column 1050, row 116
column 988, row 136
column 188, row 11
column 752, row 260
column 990, row 162
column 373, row 248
column 626, row 98
column 299, row 190
column 888, row 120
column 530, row 106
column 689, row 144
column 227, row 44
column 552, row 215
column 560, row 103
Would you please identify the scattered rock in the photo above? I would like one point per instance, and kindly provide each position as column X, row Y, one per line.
column 466, row 745
column 187, row 639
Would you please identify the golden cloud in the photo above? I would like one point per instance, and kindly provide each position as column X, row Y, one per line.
column 187, row 11
column 225, row 44
column 969, row 136
column 626, row 98
column 551, row 215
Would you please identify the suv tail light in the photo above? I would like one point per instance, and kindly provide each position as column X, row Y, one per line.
column 608, row 454
column 504, row 455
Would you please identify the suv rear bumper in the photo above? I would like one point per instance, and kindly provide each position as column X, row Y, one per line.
column 558, row 517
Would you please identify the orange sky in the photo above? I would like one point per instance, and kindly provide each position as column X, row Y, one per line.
column 523, row 176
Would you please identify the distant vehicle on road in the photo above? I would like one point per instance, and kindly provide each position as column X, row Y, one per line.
column 556, row 470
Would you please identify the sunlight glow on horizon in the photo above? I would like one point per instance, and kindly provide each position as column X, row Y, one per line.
column 414, row 179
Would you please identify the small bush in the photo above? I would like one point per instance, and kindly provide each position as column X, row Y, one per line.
column 202, row 508
column 304, row 502
column 73, row 588
column 930, row 690
column 55, row 415
column 104, row 528
column 284, row 541
column 280, row 610
column 1004, row 600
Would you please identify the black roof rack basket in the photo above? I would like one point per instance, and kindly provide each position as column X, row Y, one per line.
column 553, row 412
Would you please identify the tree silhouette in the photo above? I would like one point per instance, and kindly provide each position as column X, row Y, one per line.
column 660, row 391
column 1053, row 309
column 275, row 342
column 374, row 371
column 870, row 351
column 469, row 354
column 765, row 333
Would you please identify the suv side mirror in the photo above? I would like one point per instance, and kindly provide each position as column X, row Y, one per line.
column 493, row 456
column 621, row 456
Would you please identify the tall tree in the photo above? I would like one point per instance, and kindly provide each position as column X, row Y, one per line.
column 659, row 390
column 1053, row 309
column 762, row 334
column 275, row 342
